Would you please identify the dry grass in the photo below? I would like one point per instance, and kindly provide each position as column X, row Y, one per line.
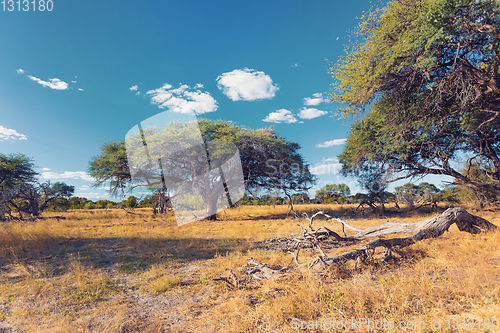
column 108, row 271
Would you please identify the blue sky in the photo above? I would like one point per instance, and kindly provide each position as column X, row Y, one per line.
column 85, row 73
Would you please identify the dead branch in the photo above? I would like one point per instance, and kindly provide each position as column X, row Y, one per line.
column 224, row 279
column 426, row 229
column 260, row 271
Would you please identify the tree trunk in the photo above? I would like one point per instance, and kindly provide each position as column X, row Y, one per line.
column 211, row 207
column 161, row 201
column 314, row 238
column 438, row 225
column 430, row 228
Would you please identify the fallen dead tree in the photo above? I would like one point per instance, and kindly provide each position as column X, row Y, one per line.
column 321, row 237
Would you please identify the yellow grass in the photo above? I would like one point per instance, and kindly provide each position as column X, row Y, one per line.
column 108, row 271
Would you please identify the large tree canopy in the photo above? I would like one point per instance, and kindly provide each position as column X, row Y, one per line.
column 16, row 169
column 429, row 72
column 268, row 161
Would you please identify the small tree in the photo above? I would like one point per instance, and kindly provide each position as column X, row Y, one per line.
column 104, row 204
column 333, row 193
column 20, row 192
column 476, row 172
column 300, row 198
column 89, row 205
column 32, row 199
column 131, row 202
column 78, row 202
column 373, row 181
column 411, row 194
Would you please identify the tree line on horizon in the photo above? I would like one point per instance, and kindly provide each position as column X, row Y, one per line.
column 22, row 195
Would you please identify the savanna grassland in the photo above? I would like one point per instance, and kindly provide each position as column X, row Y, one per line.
column 109, row 271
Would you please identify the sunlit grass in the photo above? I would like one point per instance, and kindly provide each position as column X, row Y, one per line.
column 109, row 271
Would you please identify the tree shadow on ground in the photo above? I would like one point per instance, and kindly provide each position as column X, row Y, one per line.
column 126, row 254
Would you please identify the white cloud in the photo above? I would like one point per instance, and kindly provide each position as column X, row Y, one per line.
column 80, row 89
column 326, row 169
column 336, row 142
column 280, row 116
column 295, row 65
column 333, row 159
column 183, row 99
column 316, row 100
column 20, row 71
column 84, row 188
column 246, row 84
column 310, row 113
column 73, row 81
column 46, row 169
column 10, row 134
column 52, row 83
column 286, row 116
column 133, row 88
column 67, row 175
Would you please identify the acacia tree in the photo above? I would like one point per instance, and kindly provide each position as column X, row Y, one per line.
column 268, row 161
column 410, row 193
column 374, row 183
column 111, row 167
column 15, row 170
column 429, row 72
column 20, row 191
column 34, row 198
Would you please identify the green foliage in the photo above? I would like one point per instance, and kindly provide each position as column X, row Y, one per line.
column 60, row 190
column 416, row 37
column 131, row 202
column 16, row 169
column 89, row 205
column 422, row 193
column 58, row 205
column 247, row 201
column 21, row 193
column 429, row 72
column 104, row 204
column 78, row 202
column 359, row 197
column 148, row 201
column 265, row 200
column 111, row 166
column 372, row 180
column 55, row 196
column 300, row 198
column 333, row 190
column 470, row 195
column 333, row 193
column 449, row 195
column 268, row 161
